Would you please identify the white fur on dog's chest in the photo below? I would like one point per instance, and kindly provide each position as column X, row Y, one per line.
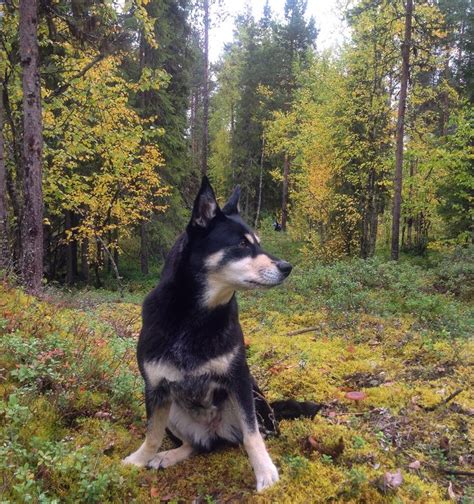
column 156, row 371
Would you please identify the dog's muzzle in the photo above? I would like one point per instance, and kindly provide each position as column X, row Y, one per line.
column 284, row 268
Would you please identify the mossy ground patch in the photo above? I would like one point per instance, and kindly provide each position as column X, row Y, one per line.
column 72, row 406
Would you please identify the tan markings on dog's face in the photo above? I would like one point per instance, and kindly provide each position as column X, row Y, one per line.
column 214, row 259
column 257, row 238
column 243, row 274
column 263, row 261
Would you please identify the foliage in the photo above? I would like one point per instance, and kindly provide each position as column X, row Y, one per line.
column 122, row 89
column 455, row 273
column 109, row 164
column 455, row 191
column 101, row 157
column 257, row 76
column 333, row 115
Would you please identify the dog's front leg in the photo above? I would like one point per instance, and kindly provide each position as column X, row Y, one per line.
column 265, row 471
column 156, row 426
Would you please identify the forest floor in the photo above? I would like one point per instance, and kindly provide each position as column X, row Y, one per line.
column 399, row 333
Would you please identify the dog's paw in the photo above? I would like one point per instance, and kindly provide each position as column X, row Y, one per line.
column 138, row 459
column 157, row 462
column 164, row 459
column 267, row 476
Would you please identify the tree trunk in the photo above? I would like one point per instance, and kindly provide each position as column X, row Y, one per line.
column 364, row 239
column 369, row 219
column 260, row 184
column 374, row 223
column 409, row 243
column 85, row 260
column 14, row 183
column 284, row 194
column 397, row 196
column 205, row 126
column 69, row 249
column 232, row 134
column 109, row 262
column 5, row 257
column 116, row 253
column 110, row 255
column 144, row 248
column 404, row 225
column 32, row 223
column 193, row 128
column 97, row 263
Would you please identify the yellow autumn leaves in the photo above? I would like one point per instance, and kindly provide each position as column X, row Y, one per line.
column 101, row 158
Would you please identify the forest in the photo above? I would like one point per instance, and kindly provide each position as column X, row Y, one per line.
column 355, row 164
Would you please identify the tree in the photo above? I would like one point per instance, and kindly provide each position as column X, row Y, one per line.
column 205, row 136
column 165, row 108
column 265, row 55
column 455, row 189
column 32, row 223
column 102, row 159
column 295, row 38
column 5, row 259
column 402, row 101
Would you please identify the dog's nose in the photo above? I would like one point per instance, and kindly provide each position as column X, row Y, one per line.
column 284, row 267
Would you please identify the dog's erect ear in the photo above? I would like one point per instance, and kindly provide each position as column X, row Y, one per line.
column 232, row 206
column 205, row 205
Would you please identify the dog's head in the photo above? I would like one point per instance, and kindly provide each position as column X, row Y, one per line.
column 226, row 251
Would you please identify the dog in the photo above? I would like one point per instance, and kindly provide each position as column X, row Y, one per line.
column 191, row 351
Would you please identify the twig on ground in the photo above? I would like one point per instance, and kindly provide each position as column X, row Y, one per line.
column 444, row 401
column 455, row 472
column 302, row 331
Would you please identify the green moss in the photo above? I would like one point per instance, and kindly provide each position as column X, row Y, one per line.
column 68, row 420
column 44, row 424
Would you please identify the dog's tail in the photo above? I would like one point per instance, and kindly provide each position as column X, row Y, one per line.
column 269, row 414
column 290, row 409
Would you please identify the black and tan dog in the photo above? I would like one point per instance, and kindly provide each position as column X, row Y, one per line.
column 191, row 349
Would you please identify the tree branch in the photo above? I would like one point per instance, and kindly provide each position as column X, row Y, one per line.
column 61, row 89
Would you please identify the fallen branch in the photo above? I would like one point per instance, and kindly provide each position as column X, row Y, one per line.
column 449, row 470
column 455, row 472
column 444, row 401
column 302, row 331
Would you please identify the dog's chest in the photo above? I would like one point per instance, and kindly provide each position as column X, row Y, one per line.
column 198, row 390
column 183, row 372
column 199, row 395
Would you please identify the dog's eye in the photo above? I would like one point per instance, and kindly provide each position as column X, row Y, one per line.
column 244, row 242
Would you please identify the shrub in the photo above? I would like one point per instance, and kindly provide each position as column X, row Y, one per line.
column 455, row 273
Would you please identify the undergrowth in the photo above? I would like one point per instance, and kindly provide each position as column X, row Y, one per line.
column 71, row 403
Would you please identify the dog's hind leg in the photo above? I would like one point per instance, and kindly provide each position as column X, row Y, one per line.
column 265, row 416
column 171, row 457
column 157, row 415
column 265, row 471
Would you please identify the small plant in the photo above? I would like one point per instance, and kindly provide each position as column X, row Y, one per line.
column 327, row 459
column 358, row 442
column 295, row 463
column 356, row 479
